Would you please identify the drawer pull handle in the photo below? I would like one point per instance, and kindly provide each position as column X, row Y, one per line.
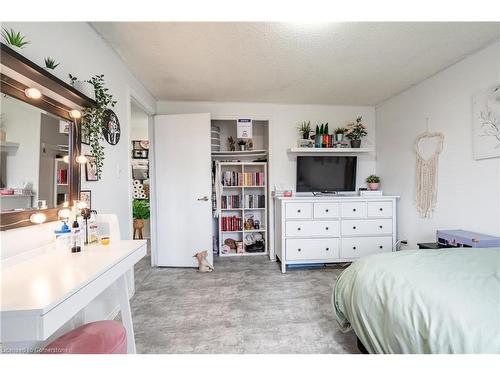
column 380, row 247
column 353, row 210
column 354, row 247
column 381, row 209
column 299, row 249
column 298, row 211
column 380, row 226
column 326, row 228
column 298, row 228
column 353, row 227
column 327, row 248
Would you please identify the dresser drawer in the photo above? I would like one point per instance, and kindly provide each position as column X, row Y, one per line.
column 326, row 210
column 308, row 228
column 375, row 227
column 353, row 209
column 360, row 246
column 379, row 209
column 312, row 248
column 298, row 210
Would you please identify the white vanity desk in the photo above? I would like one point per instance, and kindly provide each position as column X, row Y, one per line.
column 44, row 290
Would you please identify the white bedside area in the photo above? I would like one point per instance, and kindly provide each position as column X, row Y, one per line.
column 333, row 229
column 45, row 289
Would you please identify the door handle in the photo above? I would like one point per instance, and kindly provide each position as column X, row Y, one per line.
column 205, row 198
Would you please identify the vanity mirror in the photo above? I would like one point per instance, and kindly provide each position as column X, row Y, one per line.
column 39, row 142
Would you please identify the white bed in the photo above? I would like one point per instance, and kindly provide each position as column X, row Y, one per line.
column 423, row 301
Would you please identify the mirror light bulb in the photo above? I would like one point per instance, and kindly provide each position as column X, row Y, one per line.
column 33, row 93
column 38, row 218
column 82, row 159
column 75, row 114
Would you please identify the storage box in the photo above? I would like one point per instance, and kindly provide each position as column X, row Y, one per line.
column 463, row 238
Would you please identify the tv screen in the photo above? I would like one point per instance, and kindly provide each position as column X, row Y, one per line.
column 326, row 173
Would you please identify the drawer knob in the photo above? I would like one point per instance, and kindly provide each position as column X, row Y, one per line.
column 381, row 209
column 298, row 228
column 353, row 227
column 354, row 247
column 380, row 247
column 380, row 226
column 326, row 210
column 326, row 228
column 327, row 248
column 299, row 249
column 298, row 211
column 353, row 210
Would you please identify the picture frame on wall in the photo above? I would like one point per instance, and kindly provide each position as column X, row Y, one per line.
column 486, row 123
column 91, row 169
column 86, row 196
column 85, row 138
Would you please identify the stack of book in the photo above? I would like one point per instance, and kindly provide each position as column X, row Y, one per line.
column 370, row 193
column 254, row 201
column 231, row 223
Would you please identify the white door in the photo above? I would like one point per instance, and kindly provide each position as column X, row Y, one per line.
column 182, row 189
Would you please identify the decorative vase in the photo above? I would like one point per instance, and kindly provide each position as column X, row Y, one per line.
column 355, row 143
column 372, row 185
column 305, row 135
column 339, row 137
column 85, row 88
column 138, row 226
column 242, row 147
column 318, row 140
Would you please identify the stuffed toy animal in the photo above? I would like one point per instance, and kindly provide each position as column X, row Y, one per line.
column 203, row 265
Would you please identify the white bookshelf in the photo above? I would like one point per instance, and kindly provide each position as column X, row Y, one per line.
column 243, row 211
column 60, row 163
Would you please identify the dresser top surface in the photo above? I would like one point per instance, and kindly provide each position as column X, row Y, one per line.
column 338, row 198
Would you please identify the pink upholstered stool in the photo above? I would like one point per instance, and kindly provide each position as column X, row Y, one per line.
column 103, row 337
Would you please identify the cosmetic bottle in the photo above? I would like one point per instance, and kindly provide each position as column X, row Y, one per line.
column 76, row 238
column 63, row 237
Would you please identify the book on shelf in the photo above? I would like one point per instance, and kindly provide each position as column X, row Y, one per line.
column 231, row 223
column 255, row 201
column 232, row 178
column 62, row 176
column 230, row 201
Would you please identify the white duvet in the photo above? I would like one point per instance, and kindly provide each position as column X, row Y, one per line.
column 423, row 301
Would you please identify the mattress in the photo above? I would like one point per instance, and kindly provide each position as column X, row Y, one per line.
column 422, row 301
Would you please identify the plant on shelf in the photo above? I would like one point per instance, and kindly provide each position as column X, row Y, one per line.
column 355, row 132
column 140, row 212
column 242, row 143
column 339, row 134
column 305, row 129
column 14, row 39
column 50, row 63
column 94, row 120
column 373, row 182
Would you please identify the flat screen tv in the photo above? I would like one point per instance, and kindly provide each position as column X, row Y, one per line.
column 326, row 173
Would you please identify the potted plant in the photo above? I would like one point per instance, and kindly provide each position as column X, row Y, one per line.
column 140, row 212
column 373, row 182
column 326, row 136
column 94, row 119
column 85, row 87
column 50, row 63
column 355, row 132
column 305, row 129
column 14, row 40
column 339, row 134
column 242, row 143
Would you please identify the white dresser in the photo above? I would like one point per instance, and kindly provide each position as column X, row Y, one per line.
column 333, row 229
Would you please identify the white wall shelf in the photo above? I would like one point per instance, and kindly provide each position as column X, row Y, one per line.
column 9, row 147
column 312, row 150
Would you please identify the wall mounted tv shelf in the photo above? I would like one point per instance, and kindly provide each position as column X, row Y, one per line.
column 313, row 150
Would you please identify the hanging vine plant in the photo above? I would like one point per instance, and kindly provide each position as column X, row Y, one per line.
column 94, row 120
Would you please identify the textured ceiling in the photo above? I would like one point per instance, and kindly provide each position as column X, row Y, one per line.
column 332, row 63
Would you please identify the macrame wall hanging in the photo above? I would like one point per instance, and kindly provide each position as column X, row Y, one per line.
column 428, row 146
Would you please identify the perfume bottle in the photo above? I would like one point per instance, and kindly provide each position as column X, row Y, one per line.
column 76, row 238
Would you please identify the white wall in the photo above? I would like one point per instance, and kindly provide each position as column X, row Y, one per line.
column 283, row 122
column 469, row 190
column 283, row 134
column 22, row 125
column 82, row 52
column 139, row 122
